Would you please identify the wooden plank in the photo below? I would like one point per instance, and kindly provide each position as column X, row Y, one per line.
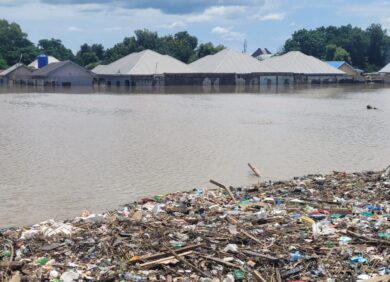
column 227, row 189
column 254, row 169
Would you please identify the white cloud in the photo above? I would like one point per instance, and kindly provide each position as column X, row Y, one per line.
column 228, row 34
column 74, row 29
column 177, row 24
column 216, row 12
column 270, row 17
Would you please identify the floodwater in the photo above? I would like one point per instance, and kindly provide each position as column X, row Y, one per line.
column 63, row 153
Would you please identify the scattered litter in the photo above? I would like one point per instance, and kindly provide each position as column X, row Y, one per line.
column 314, row 228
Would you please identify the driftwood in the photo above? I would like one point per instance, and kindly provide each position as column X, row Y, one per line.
column 224, row 187
column 258, row 276
column 220, row 261
column 13, row 265
column 368, row 239
column 254, row 169
column 255, row 254
column 166, row 253
column 163, row 260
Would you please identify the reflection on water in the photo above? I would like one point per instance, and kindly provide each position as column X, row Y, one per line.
column 61, row 153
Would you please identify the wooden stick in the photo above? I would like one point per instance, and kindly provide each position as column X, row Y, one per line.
column 162, row 260
column 251, row 237
column 13, row 265
column 258, row 276
column 368, row 239
column 221, row 261
column 254, row 169
column 224, row 187
column 149, row 257
column 251, row 253
column 190, row 264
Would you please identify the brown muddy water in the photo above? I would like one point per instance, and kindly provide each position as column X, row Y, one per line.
column 62, row 153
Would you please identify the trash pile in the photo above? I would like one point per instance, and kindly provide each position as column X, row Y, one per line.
column 314, row 228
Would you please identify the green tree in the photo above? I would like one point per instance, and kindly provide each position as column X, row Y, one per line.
column 86, row 56
column 3, row 63
column 363, row 48
column 14, row 45
column 377, row 47
column 342, row 55
column 330, row 51
column 205, row 49
column 54, row 47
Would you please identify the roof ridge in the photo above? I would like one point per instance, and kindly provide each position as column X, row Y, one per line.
column 139, row 59
column 227, row 50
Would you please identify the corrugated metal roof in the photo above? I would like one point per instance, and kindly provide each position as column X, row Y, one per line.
column 11, row 69
column 386, row 69
column 230, row 61
column 147, row 62
column 297, row 62
column 336, row 64
column 34, row 64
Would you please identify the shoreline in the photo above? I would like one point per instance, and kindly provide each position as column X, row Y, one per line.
column 315, row 227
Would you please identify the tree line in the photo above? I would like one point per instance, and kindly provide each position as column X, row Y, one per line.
column 363, row 48
column 16, row 47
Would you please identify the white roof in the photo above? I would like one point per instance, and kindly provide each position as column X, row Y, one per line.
column 51, row 60
column 98, row 68
column 297, row 62
column 229, row 61
column 386, row 68
column 146, row 62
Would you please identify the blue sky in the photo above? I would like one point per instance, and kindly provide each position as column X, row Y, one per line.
column 262, row 23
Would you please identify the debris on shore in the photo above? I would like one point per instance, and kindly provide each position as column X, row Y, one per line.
column 314, row 228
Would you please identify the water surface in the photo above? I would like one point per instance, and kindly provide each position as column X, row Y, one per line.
column 62, row 153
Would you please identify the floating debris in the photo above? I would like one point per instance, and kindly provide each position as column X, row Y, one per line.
column 315, row 228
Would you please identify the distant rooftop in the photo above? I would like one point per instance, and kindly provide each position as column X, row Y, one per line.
column 261, row 51
column 230, row 61
column 297, row 62
column 146, row 62
column 386, row 69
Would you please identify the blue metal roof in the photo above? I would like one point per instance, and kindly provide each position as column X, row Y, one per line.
column 336, row 64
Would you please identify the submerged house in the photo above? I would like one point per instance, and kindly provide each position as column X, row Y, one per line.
column 66, row 74
column 356, row 74
column 145, row 69
column 307, row 69
column 18, row 74
column 385, row 72
column 241, row 68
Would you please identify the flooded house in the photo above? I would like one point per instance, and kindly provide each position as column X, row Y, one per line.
column 246, row 72
column 355, row 74
column 146, row 70
column 306, row 69
column 62, row 74
column 18, row 74
column 385, row 73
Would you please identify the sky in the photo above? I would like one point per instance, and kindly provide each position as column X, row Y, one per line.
column 261, row 23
